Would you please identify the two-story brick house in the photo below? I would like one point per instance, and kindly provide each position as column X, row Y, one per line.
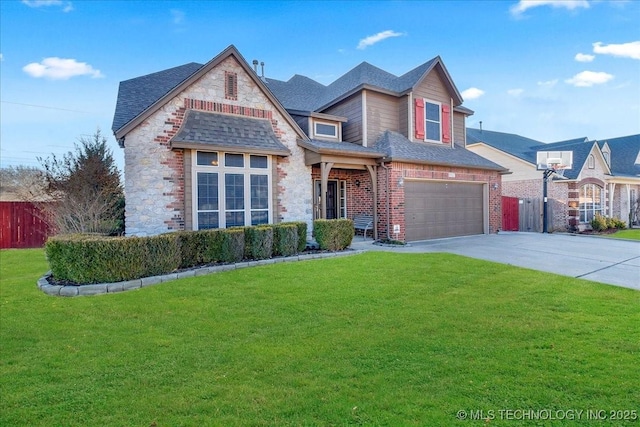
column 217, row 145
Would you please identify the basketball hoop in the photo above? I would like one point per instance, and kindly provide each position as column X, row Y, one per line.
column 551, row 163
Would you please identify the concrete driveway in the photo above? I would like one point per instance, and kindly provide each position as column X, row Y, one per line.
column 610, row 261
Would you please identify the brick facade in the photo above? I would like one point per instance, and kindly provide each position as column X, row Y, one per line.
column 155, row 174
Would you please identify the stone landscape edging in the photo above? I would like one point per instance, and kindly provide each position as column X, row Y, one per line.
column 109, row 288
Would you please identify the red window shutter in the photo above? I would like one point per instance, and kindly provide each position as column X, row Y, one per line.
column 446, row 123
column 419, row 118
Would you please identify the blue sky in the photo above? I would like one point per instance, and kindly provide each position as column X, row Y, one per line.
column 548, row 70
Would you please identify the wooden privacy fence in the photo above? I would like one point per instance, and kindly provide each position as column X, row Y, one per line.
column 22, row 226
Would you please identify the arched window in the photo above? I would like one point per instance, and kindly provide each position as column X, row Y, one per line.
column 591, row 202
column 592, row 161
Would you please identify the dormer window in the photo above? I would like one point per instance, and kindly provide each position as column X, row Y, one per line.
column 326, row 130
column 231, row 85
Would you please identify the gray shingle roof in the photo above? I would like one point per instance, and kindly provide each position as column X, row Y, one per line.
column 516, row 145
column 342, row 148
column 136, row 95
column 230, row 132
column 398, row 148
column 303, row 93
column 625, row 151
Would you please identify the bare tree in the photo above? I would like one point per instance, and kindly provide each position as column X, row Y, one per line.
column 85, row 188
column 25, row 183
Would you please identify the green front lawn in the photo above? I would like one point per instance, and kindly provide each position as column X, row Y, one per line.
column 629, row 234
column 378, row 339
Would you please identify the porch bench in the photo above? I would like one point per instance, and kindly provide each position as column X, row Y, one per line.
column 364, row 223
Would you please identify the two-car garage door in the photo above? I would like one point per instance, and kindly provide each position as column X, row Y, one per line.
column 436, row 209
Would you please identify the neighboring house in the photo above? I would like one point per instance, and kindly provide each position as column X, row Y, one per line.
column 217, row 145
column 604, row 178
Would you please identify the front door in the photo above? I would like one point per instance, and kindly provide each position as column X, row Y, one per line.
column 331, row 200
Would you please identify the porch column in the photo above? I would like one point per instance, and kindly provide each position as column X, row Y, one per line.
column 325, row 168
column 628, row 203
column 374, row 187
column 612, row 190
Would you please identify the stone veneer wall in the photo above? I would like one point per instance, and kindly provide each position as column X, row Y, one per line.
column 155, row 175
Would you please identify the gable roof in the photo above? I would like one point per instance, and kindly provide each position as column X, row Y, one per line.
column 516, row 145
column 398, row 148
column 625, row 155
column 137, row 94
column 526, row 148
column 303, row 93
column 167, row 92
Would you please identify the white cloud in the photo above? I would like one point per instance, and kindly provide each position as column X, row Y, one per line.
column 515, row 92
column 178, row 16
column 589, row 78
column 55, row 68
column 519, row 8
column 623, row 50
column 472, row 93
column 371, row 40
column 583, row 57
column 1, row 57
column 66, row 6
column 548, row 83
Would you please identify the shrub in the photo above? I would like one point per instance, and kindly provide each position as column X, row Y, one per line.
column 94, row 259
column 200, row 247
column 232, row 245
column 302, row 234
column 333, row 234
column 619, row 224
column 259, row 242
column 598, row 223
column 285, row 239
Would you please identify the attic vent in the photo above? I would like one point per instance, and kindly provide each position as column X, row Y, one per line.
column 231, row 85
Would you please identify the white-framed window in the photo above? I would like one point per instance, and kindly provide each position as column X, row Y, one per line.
column 231, row 189
column 591, row 202
column 325, row 129
column 591, row 162
column 433, row 121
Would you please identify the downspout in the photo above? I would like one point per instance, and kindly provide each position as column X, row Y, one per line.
column 387, row 172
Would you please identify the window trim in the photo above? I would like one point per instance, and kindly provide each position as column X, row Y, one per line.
column 246, row 171
column 322, row 135
column 427, row 121
column 586, row 213
column 591, row 163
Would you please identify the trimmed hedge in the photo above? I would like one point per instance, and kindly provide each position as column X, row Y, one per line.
column 333, row 234
column 95, row 259
column 85, row 259
column 258, row 242
column 302, row 233
column 285, row 239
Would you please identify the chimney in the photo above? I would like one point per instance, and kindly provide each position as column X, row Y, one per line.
column 480, row 125
column 255, row 66
column 262, row 65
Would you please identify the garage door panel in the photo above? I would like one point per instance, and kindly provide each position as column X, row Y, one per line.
column 443, row 209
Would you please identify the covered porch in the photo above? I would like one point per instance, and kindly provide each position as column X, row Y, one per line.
column 344, row 180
